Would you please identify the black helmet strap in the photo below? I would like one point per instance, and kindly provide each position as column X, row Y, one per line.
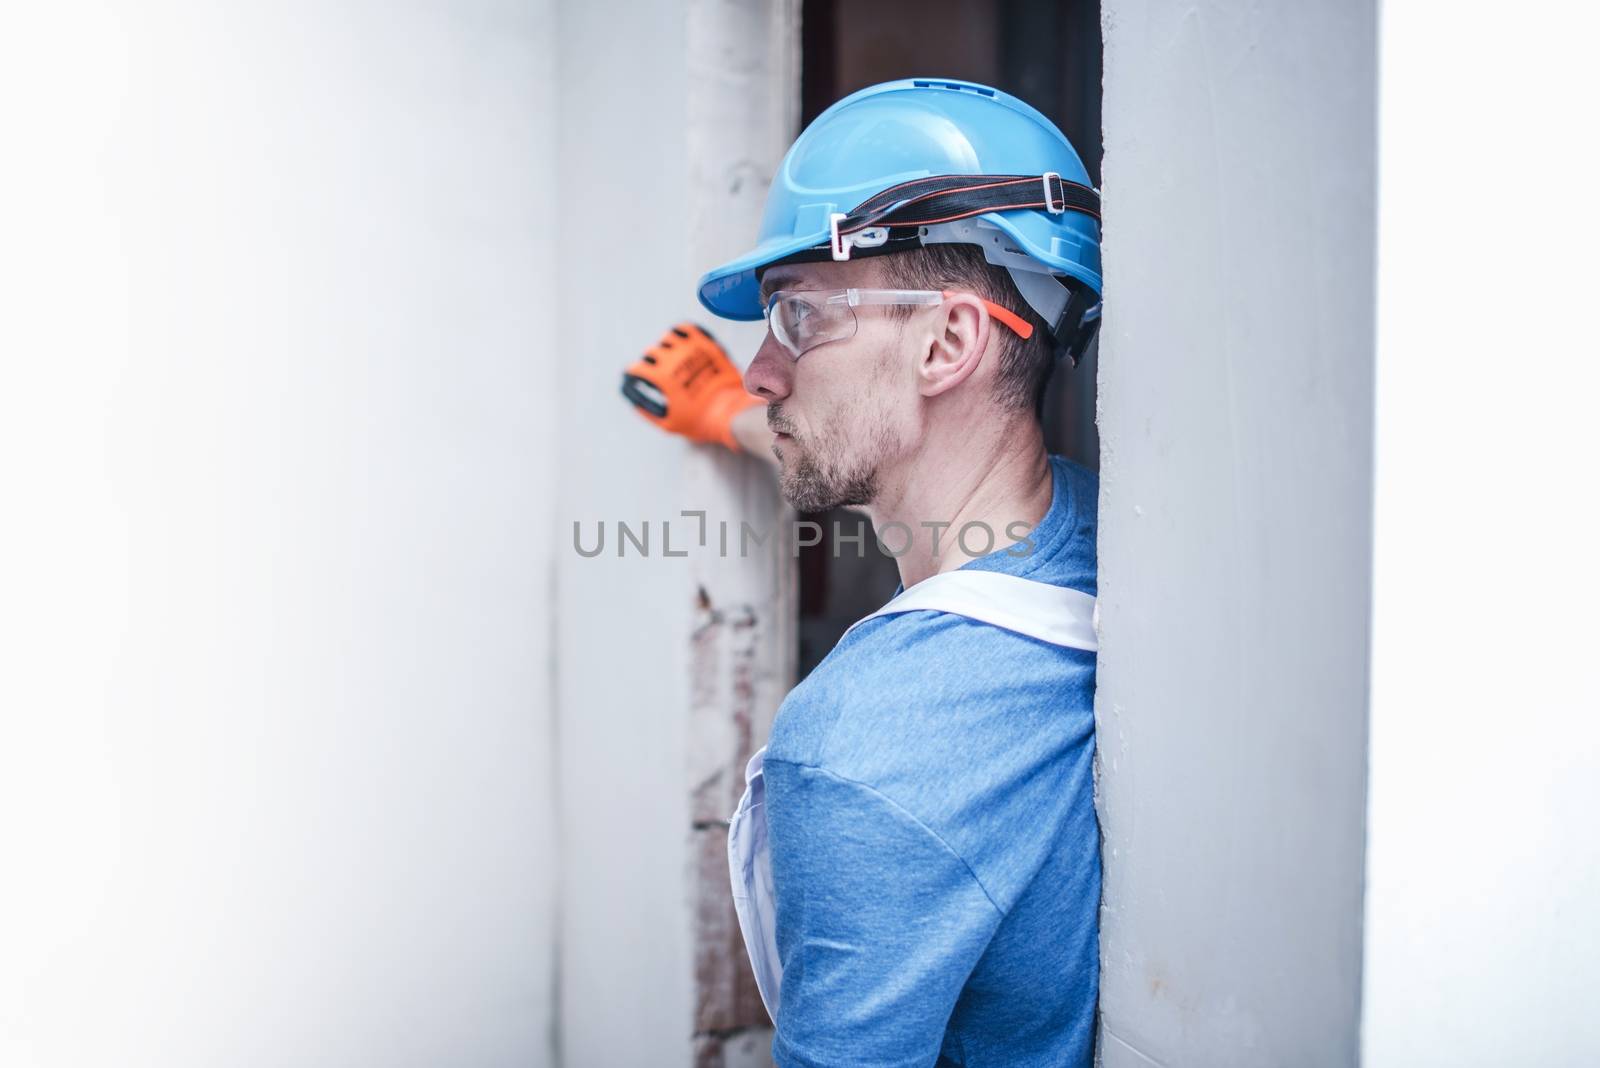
column 942, row 198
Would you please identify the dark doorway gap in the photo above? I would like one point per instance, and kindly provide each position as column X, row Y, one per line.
column 1047, row 52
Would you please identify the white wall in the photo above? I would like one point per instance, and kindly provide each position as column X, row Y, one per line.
column 276, row 458
column 1235, row 421
column 621, row 650
column 1483, row 877
column 669, row 668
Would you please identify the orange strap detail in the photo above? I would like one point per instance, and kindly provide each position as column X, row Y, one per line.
column 1019, row 326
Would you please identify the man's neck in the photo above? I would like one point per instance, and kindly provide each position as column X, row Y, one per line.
column 982, row 485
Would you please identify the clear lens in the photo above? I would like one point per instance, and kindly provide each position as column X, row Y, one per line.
column 791, row 318
column 803, row 320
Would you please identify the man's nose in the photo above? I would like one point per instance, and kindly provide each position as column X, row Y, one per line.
column 770, row 375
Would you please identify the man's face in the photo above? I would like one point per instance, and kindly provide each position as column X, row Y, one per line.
column 844, row 410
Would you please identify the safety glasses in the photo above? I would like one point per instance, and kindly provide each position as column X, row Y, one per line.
column 801, row 320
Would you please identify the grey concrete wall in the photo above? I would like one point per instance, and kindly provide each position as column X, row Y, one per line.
column 743, row 113
column 621, row 650
column 277, row 451
column 1235, row 416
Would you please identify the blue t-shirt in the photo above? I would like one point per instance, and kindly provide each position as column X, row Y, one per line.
column 935, row 852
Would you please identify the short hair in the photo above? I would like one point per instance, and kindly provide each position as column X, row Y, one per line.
column 1025, row 365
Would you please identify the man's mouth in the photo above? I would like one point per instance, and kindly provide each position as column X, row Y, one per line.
column 775, row 423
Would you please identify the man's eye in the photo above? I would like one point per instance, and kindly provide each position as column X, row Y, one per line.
column 794, row 311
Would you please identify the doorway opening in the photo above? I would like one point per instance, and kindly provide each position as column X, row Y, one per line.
column 1046, row 52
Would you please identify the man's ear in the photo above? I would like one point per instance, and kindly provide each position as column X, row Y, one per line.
column 955, row 345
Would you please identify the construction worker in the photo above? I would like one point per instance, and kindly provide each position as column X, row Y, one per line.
column 915, row 861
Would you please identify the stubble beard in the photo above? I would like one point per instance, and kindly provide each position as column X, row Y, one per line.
column 808, row 487
column 813, row 484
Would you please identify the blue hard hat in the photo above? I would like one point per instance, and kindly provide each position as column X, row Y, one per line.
column 889, row 135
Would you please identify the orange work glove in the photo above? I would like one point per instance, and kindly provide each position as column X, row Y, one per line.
column 686, row 384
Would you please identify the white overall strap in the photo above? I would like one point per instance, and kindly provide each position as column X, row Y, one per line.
column 755, row 902
column 1053, row 614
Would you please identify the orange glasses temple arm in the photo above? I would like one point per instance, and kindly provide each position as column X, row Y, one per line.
column 1019, row 326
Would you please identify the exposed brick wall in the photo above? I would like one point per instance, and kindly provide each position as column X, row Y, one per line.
column 726, row 647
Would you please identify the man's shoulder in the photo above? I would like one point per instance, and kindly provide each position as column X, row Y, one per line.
column 918, row 677
column 965, row 726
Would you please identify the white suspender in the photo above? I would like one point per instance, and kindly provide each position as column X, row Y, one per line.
column 1053, row 614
